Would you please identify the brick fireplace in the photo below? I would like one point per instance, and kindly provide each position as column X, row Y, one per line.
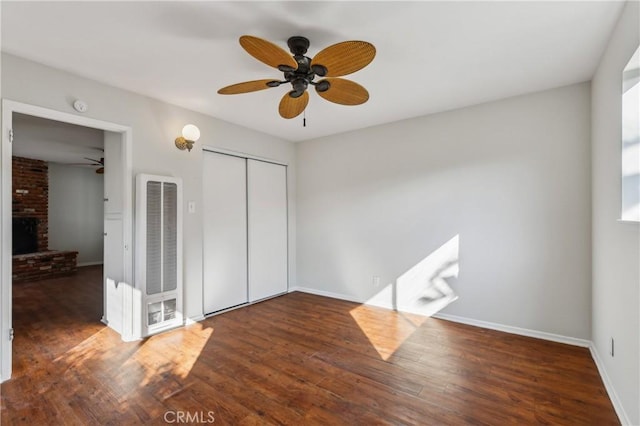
column 30, row 221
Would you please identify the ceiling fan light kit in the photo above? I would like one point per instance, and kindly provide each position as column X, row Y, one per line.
column 300, row 72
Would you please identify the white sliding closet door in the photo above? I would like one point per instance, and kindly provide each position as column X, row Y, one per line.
column 267, row 197
column 225, row 231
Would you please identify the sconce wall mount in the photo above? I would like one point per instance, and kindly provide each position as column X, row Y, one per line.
column 190, row 134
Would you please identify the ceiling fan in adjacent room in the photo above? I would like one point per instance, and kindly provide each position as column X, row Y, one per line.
column 99, row 163
column 301, row 71
column 93, row 162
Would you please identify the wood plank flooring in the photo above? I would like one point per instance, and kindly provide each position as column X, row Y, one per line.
column 298, row 359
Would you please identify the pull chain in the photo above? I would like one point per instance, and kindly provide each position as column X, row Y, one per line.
column 304, row 118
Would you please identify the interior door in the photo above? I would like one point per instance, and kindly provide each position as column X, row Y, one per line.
column 6, row 300
column 113, row 270
column 225, row 231
column 114, row 254
column 267, row 225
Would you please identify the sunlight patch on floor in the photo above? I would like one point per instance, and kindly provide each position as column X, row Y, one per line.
column 88, row 349
column 418, row 293
column 179, row 352
column 186, row 357
column 386, row 336
column 145, row 360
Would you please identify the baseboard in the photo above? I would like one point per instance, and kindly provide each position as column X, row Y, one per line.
column 516, row 330
column 469, row 321
column 613, row 396
column 193, row 320
column 332, row 295
column 80, row 265
column 222, row 311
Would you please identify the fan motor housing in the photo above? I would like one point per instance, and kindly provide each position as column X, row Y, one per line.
column 304, row 75
column 298, row 45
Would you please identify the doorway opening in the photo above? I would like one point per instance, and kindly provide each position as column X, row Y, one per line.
column 65, row 179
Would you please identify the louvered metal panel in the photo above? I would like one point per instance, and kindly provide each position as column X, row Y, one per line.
column 154, row 242
column 169, row 236
column 159, row 252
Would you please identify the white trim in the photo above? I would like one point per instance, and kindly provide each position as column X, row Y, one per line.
column 233, row 308
column 225, row 310
column 325, row 294
column 515, row 330
column 613, row 396
column 65, row 117
column 241, row 154
column 273, row 296
column 2, row 223
column 629, row 221
column 5, row 249
column 8, row 108
column 193, row 320
column 463, row 320
column 98, row 262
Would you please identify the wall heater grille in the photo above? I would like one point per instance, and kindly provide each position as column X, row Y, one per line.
column 159, row 254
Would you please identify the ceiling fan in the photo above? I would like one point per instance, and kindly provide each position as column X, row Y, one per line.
column 93, row 162
column 100, row 163
column 300, row 71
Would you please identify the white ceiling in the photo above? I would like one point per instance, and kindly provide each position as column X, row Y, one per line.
column 431, row 56
column 57, row 142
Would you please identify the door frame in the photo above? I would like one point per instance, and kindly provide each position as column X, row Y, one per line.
column 6, row 303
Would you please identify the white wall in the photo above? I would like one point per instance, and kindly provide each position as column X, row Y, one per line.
column 155, row 126
column 76, row 218
column 510, row 178
column 616, row 246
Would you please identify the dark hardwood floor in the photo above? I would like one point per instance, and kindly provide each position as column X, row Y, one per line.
column 297, row 359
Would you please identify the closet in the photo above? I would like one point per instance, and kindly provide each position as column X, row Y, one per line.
column 245, row 230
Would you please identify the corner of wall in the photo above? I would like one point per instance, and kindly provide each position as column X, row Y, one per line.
column 611, row 391
column 615, row 252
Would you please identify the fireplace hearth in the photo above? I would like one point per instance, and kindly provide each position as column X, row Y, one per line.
column 32, row 259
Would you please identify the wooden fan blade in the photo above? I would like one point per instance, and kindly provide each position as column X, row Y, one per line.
column 344, row 92
column 293, row 107
column 96, row 162
column 345, row 58
column 267, row 52
column 247, row 86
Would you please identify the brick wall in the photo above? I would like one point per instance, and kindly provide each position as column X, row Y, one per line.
column 31, row 194
column 36, row 266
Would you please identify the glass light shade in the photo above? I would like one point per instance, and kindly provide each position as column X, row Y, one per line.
column 191, row 132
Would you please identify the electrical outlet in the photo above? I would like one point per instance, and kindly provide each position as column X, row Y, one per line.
column 376, row 281
column 612, row 351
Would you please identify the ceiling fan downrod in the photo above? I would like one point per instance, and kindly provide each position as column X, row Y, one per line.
column 304, row 75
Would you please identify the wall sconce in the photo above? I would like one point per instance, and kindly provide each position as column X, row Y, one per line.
column 190, row 134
